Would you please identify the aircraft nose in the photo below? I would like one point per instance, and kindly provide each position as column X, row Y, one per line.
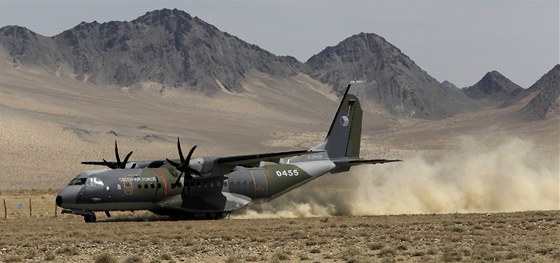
column 59, row 200
column 67, row 196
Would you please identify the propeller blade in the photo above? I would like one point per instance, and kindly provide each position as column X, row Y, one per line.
column 117, row 154
column 190, row 154
column 183, row 167
column 126, row 160
column 185, row 163
column 118, row 164
column 172, row 162
column 182, row 158
column 110, row 165
column 178, row 179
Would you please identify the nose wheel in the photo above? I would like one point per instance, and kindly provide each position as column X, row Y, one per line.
column 90, row 218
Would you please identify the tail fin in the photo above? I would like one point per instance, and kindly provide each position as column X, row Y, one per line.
column 343, row 139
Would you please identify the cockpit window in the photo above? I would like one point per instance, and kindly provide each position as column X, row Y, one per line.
column 94, row 181
column 77, row 181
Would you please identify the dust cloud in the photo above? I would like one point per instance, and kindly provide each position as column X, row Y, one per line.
column 480, row 175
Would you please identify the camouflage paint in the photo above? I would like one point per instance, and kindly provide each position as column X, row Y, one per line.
column 228, row 183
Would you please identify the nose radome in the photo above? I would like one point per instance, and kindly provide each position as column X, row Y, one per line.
column 67, row 197
column 58, row 200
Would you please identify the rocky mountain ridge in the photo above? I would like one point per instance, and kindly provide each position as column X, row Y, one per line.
column 393, row 79
column 163, row 46
column 493, row 88
column 547, row 100
column 449, row 85
column 176, row 50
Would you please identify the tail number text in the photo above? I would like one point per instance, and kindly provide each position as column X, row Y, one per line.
column 287, row 173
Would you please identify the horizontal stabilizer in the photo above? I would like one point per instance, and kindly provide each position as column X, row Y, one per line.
column 352, row 162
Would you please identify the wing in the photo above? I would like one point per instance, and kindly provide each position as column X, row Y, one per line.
column 373, row 161
column 130, row 164
column 255, row 159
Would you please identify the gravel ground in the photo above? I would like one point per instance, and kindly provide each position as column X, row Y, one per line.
column 512, row 237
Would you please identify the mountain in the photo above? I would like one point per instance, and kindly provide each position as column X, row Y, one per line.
column 449, row 85
column 163, row 46
column 393, row 79
column 493, row 88
column 173, row 49
column 547, row 100
column 27, row 47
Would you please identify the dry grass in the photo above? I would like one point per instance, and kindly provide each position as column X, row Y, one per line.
column 515, row 237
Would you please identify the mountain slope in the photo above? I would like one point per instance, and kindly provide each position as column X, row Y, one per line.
column 547, row 102
column 394, row 80
column 493, row 88
column 169, row 48
column 24, row 46
column 449, row 85
column 163, row 46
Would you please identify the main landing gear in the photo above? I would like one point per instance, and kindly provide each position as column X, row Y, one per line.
column 198, row 216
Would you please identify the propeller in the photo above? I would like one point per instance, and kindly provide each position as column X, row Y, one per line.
column 118, row 164
column 183, row 167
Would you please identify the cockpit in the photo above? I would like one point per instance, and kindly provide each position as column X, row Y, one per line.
column 89, row 181
column 78, row 181
column 94, row 181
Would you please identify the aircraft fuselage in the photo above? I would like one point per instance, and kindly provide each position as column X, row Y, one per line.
column 144, row 189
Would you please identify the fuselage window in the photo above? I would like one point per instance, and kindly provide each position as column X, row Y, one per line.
column 159, row 185
column 139, row 186
column 152, row 186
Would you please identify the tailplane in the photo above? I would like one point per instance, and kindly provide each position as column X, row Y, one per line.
column 342, row 144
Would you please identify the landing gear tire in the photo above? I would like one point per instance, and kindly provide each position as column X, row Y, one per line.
column 217, row 215
column 90, row 218
column 224, row 215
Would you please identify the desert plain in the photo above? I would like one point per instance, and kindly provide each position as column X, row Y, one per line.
column 479, row 186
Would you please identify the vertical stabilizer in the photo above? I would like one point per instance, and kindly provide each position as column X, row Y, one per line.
column 343, row 139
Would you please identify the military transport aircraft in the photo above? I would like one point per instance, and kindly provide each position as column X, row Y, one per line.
column 212, row 187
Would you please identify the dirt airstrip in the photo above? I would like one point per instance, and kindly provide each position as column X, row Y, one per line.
column 142, row 237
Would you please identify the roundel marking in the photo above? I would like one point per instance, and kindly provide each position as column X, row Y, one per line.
column 344, row 121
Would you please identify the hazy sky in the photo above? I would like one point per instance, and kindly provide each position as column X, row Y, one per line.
column 452, row 40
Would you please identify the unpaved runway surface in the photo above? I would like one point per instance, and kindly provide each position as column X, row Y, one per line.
column 511, row 237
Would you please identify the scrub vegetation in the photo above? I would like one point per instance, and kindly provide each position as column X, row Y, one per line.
column 140, row 237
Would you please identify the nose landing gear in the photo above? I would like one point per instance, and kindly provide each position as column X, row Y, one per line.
column 89, row 216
